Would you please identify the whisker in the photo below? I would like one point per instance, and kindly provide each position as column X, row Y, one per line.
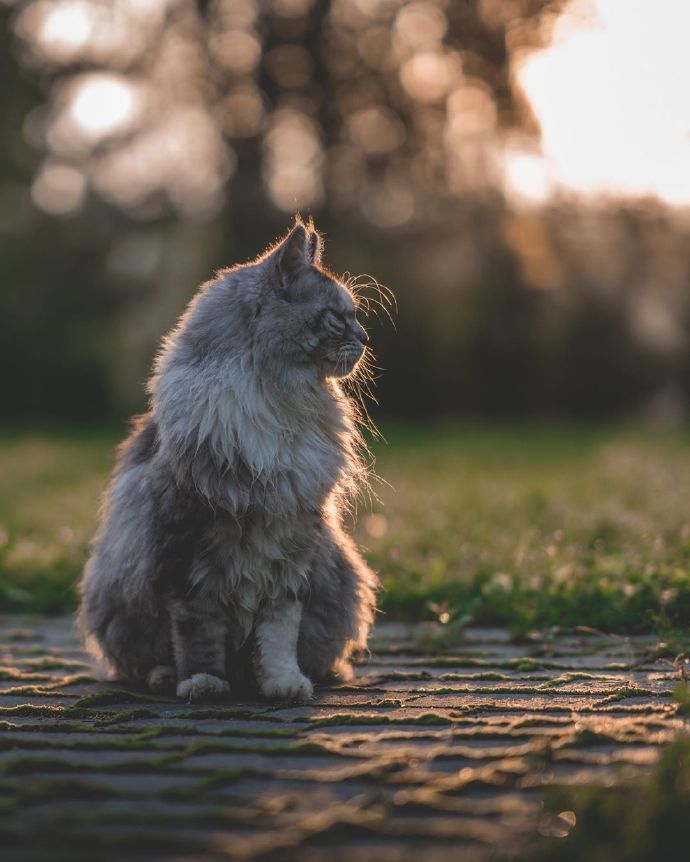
column 383, row 299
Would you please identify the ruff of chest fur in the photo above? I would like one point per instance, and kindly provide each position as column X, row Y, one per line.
column 304, row 437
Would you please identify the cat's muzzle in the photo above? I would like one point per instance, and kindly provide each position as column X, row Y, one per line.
column 347, row 359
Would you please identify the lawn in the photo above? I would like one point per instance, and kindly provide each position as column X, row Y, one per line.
column 529, row 527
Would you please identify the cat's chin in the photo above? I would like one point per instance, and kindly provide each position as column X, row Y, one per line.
column 343, row 368
column 339, row 373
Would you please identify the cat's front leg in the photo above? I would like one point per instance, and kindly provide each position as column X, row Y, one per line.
column 199, row 633
column 275, row 658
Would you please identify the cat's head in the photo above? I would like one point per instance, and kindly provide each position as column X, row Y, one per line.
column 306, row 318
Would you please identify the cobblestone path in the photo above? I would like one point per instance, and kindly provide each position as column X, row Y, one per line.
column 432, row 754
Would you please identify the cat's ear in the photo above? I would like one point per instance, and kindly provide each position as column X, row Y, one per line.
column 300, row 250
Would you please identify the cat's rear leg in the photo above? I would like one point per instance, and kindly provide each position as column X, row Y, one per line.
column 141, row 650
column 199, row 632
column 137, row 648
column 338, row 612
column 323, row 655
column 122, row 619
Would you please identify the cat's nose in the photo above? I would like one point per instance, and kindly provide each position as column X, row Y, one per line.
column 361, row 333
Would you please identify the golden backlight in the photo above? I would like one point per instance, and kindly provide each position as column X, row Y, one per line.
column 152, row 104
column 610, row 94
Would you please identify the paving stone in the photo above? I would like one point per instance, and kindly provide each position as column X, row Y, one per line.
column 440, row 755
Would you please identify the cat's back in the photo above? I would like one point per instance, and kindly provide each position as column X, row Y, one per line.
column 141, row 444
column 129, row 497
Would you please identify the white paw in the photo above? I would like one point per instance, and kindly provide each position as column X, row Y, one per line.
column 162, row 679
column 291, row 685
column 203, row 686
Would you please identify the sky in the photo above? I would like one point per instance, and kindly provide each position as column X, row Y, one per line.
column 610, row 94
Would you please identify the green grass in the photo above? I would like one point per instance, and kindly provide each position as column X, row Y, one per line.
column 50, row 484
column 521, row 526
column 638, row 821
column 535, row 527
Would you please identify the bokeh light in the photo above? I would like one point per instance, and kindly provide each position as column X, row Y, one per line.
column 102, row 105
column 519, row 172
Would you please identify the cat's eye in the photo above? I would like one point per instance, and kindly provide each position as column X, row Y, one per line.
column 334, row 324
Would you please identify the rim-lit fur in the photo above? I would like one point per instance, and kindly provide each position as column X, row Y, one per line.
column 228, row 493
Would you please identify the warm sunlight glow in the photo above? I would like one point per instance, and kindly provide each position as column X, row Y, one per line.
column 610, row 95
column 526, row 177
column 66, row 27
column 102, row 105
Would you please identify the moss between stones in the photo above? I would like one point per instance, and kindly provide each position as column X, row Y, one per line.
column 115, row 696
column 52, row 663
column 218, row 712
column 351, row 718
column 47, row 727
column 31, row 710
column 105, row 741
column 106, row 719
column 22, row 765
column 306, row 747
column 46, row 789
column 225, row 776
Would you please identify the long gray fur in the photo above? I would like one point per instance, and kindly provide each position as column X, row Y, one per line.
column 225, row 507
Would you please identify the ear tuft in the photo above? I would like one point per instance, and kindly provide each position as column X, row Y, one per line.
column 300, row 249
column 315, row 245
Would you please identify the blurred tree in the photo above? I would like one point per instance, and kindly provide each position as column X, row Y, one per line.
column 53, row 313
column 161, row 139
column 383, row 106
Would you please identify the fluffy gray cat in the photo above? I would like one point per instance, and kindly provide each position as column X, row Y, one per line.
column 221, row 557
